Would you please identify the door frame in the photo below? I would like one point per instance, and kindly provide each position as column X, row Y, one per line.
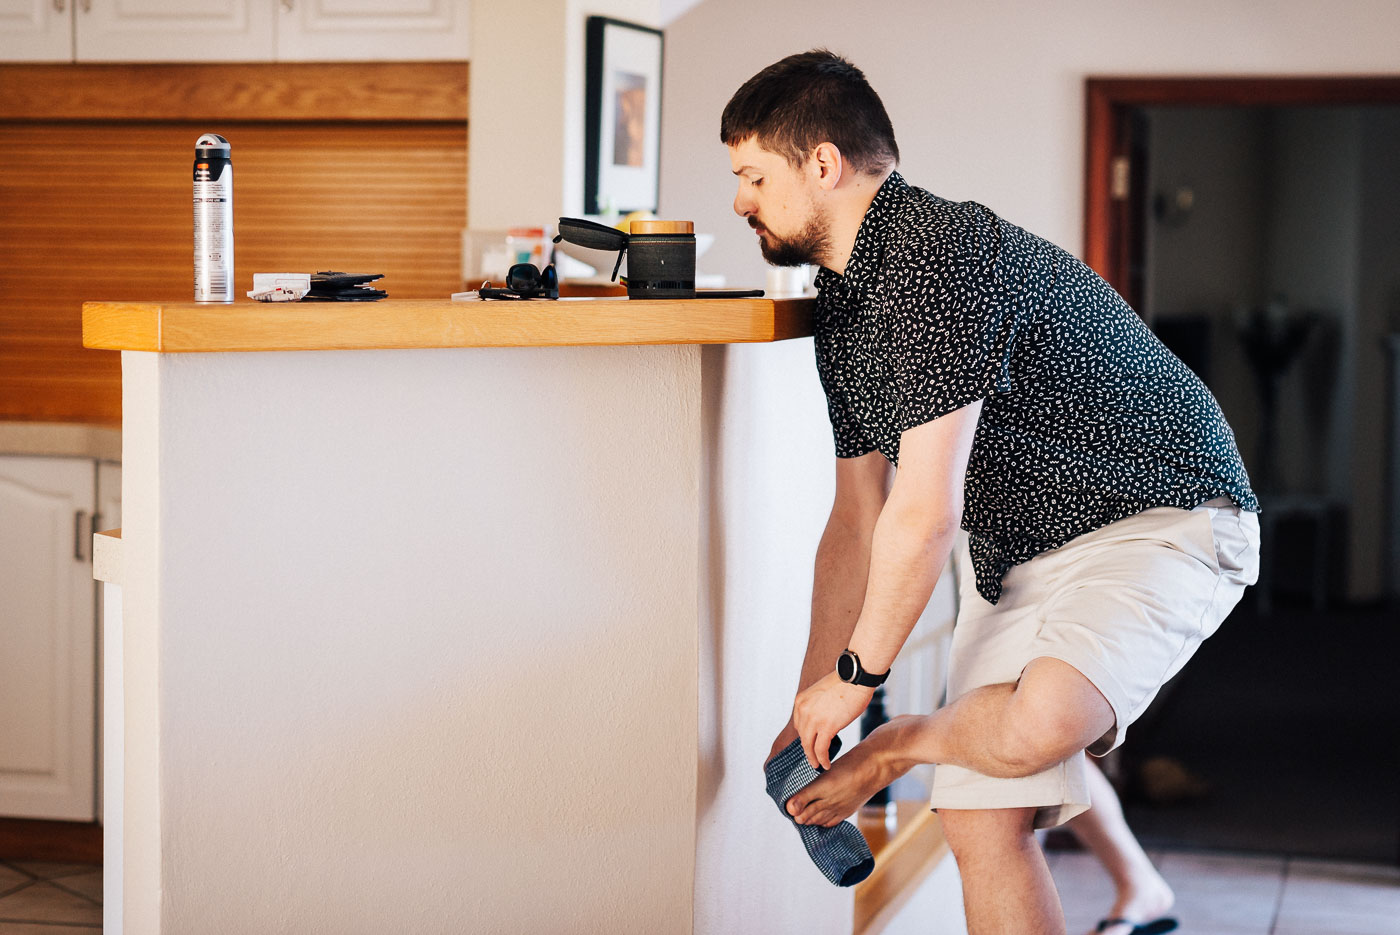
column 1113, row 220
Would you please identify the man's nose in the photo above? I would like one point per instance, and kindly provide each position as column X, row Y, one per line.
column 743, row 206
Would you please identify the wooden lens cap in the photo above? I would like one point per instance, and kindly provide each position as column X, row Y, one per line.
column 663, row 227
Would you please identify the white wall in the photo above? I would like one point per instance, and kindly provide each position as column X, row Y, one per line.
column 987, row 99
column 525, row 139
column 769, row 480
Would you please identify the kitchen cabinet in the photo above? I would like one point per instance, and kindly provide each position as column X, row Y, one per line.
column 136, row 31
column 233, row 30
column 36, row 30
column 109, row 516
column 165, row 31
column 48, row 633
column 378, row 30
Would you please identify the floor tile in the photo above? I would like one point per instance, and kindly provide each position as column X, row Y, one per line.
column 1224, row 892
column 1340, row 899
column 85, row 884
column 11, row 878
column 44, row 902
column 45, row 870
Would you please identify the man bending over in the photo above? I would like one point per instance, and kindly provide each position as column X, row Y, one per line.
column 1111, row 526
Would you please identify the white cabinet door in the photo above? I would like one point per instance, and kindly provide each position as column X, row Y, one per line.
column 47, row 640
column 109, row 516
column 36, row 30
column 372, row 30
column 174, row 31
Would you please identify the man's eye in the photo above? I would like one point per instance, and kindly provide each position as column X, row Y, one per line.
column 757, row 182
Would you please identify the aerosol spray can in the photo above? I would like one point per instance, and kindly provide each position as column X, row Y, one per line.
column 213, row 220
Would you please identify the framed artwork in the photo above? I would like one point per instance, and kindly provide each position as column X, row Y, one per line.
column 622, row 117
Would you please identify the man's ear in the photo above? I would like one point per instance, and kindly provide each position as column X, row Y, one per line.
column 826, row 165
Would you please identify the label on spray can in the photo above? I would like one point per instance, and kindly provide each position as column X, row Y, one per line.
column 213, row 219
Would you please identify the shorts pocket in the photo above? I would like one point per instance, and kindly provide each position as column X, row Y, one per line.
column 1199, row 538
column 1237, row 544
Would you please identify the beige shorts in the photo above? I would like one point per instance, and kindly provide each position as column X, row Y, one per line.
column 1126, row 605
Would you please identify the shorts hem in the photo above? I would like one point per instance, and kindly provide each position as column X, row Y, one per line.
column 1048, row 814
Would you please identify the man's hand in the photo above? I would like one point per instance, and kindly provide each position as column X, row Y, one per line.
column 821, row 710
column 788, row 735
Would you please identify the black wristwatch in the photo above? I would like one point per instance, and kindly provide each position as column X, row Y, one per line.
column 849, row 670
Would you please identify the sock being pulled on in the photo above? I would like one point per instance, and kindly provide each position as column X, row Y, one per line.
column 840, row 852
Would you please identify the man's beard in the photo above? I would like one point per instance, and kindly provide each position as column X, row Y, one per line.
column 808, row 247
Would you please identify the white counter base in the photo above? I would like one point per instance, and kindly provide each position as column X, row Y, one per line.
column 412, row 639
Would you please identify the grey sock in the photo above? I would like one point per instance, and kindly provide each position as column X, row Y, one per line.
column 840, row 852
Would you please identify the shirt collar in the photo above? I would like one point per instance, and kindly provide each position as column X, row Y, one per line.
column 866, row 252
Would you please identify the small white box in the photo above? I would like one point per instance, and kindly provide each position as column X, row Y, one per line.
column 280, row 287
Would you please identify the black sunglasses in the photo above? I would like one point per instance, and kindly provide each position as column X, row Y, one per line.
column 524, row 281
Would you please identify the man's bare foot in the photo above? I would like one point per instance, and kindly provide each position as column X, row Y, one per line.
column 1144, row 899
column 867, row 768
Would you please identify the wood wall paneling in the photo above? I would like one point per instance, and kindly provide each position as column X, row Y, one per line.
column 100, row 209
column 359, row 91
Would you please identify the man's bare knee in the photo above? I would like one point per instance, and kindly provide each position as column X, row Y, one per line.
column 1053, row 714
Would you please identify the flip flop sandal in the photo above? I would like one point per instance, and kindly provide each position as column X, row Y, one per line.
column 1155, row 927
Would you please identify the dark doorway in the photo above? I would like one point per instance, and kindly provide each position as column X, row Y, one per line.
column 1255, row 224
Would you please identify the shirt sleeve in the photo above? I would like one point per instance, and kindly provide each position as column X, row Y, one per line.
column 954, row 323
column 851, row 440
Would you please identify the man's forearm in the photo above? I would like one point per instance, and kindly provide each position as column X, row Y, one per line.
column 838, row 590
column 908, row 552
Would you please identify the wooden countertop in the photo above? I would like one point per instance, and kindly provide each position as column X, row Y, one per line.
column 411, row 323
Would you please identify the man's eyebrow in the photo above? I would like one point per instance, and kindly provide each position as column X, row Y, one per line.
column 742, row 169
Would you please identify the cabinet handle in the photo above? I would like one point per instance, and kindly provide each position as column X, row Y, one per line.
column 86, row 6
column 59, row 6
column 80, row 523
column 286, row 5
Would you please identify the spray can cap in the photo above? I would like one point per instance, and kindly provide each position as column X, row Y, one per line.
column 212, row 146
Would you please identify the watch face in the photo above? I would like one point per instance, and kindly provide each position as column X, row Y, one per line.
column 846, row 667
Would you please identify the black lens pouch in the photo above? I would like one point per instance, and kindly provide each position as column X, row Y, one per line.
column 593, row 236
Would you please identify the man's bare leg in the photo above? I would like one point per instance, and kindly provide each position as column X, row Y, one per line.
column 1142, row 894
column 1009, row 730
column 1007, row 888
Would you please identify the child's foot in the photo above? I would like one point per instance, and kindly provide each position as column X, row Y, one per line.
column 1145, row 899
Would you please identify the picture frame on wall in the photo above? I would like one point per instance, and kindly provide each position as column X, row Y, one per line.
column 622, row 116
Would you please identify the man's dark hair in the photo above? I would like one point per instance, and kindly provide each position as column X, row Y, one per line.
column 810, row 98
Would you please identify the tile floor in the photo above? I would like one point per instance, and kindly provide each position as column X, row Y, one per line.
column 1236, row 894
column 38, row 898
column 1217, row 894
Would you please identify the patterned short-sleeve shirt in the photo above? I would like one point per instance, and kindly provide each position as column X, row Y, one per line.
column 1087, row 418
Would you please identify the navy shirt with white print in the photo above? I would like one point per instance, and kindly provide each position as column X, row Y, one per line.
column 1087, row 418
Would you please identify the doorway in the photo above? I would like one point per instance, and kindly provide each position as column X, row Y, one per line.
column 1255, row 224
